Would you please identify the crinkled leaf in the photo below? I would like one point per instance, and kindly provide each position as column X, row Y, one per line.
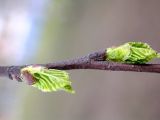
column 48, row 80
column 132, row 53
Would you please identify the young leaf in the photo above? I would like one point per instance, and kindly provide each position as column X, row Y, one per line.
column 132, row 53
column 47, row 80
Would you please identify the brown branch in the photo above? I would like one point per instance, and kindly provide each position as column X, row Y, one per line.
column 96, row 60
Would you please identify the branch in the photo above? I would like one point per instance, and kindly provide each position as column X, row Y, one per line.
column 96, row 60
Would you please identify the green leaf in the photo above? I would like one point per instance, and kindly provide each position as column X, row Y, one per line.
column 132, row 53
column 47, row 80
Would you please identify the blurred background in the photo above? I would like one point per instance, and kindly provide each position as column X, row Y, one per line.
column 42, row 31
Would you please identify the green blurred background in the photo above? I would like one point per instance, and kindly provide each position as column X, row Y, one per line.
column 38, row 31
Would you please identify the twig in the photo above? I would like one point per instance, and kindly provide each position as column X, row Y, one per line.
column 96, row 60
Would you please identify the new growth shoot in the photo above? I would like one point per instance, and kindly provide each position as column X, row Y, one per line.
column 131, row 56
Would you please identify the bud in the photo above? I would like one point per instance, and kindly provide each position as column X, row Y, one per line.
column 46, row 79
column 132, row 53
